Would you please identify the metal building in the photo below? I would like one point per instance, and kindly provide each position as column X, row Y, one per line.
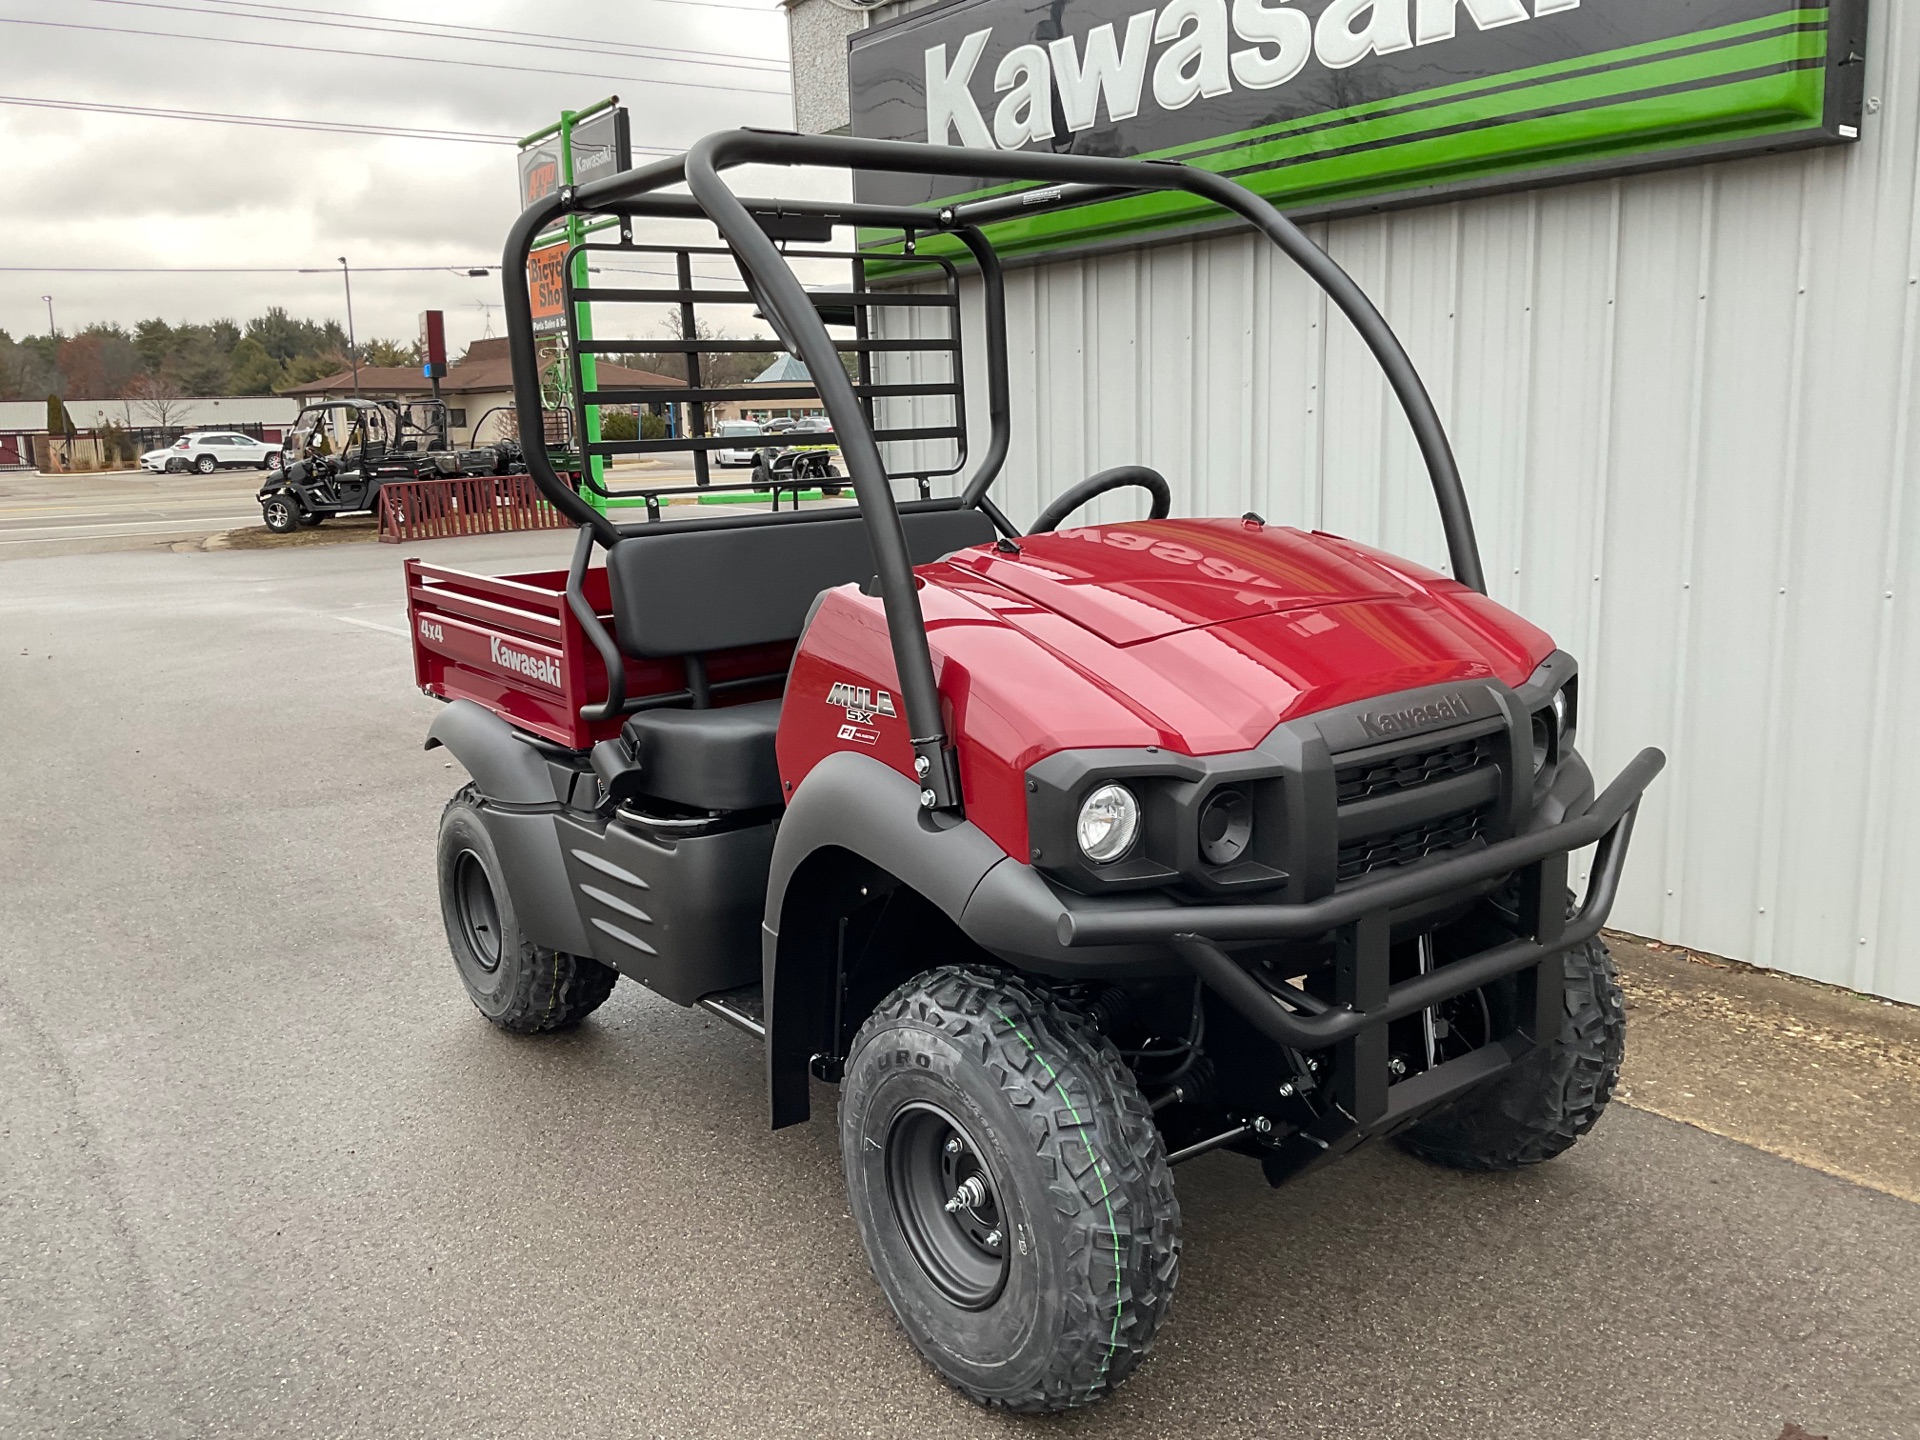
column 1683, row 402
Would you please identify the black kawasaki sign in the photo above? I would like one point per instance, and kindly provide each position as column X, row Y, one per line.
column 1329, row 105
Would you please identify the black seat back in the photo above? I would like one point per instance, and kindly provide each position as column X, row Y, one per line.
column 690, row 591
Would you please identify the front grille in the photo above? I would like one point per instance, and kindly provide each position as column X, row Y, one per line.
column 1408, row 772
column 1416, row 842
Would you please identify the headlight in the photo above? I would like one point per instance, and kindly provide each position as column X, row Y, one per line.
column 1226, row 827
column 1552, row 730
column 1109, row 821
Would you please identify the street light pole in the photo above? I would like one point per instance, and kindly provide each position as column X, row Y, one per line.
column 353, row 349
column 51, row 330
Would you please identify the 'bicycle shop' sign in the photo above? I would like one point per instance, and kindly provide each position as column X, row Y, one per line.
column 1326, row 106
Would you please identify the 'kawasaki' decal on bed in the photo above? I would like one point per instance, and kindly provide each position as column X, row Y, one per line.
column 533, row 667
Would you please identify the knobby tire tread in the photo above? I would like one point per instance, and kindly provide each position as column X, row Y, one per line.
column 1553, row 1097
column 1112, row 1190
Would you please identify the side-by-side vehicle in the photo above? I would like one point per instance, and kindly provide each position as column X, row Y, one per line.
column 1068, row 854
column 340, row 453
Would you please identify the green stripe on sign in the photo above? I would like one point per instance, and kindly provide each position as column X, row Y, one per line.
column 1756, row 107
column 1602, row 60
column 1767, row 105
column 1775, row 53
column 1605, row 60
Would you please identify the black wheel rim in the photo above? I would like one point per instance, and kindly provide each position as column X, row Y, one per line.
column 479, row 913
column 947, row 1205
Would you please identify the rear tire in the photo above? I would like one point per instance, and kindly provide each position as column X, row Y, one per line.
column 1044, row 1291
column 516, row 984
column 1549, row 1100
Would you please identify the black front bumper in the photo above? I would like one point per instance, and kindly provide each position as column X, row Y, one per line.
column 1013, row 910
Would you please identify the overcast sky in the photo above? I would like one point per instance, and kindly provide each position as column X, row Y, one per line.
column 103, row 190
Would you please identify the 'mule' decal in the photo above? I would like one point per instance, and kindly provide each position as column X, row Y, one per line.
column 862, row 705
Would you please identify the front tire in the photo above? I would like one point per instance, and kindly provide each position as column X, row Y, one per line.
column 516, row 984
column 1550, row 1099
column 281, row 513
column 1039, row 1282
column 206, row 464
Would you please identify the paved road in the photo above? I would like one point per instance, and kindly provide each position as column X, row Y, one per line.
column 44, row 515
column 264, row 1172
column 121, row 510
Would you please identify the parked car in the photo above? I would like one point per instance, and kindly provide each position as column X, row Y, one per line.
column 209, row 450
column 736, row 427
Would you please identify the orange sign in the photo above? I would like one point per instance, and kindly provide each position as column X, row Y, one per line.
column 546, row 281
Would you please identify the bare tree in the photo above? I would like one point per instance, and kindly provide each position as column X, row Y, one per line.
column 159, row 401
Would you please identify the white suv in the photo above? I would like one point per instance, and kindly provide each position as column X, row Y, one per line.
column 736, row 429
column 211, row 450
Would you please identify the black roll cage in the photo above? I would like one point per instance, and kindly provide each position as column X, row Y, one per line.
column 745, row 226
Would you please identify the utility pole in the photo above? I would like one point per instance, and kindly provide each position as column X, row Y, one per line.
column 353, row 349
column 51, row 329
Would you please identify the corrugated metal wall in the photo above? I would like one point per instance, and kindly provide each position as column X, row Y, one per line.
column 1683, row 404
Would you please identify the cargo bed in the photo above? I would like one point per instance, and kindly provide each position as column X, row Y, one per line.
column 510, row 643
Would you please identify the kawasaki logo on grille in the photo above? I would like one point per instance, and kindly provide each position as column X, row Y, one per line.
column 533, row 667
column 1380, row 724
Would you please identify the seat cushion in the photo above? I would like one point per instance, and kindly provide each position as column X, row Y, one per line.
column 710, row 759
column 688, row 592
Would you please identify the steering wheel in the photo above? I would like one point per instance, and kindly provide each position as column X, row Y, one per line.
column 1119, row 478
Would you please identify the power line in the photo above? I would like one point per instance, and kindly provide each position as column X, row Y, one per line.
column 424, row 29
column 328, row 270
column 284, row 122
column 721, row 5
column 381, row 55
column 596, row 44
column 272, row 122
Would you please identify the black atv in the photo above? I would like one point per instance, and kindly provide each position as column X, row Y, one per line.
column 807, row 458
column 340, row 453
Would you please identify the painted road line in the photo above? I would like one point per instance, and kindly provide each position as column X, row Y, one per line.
column 372, row 625
column 43, row 534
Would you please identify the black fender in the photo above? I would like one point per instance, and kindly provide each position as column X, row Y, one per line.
column 850, row 803
column 522, row 801
column 504, row 767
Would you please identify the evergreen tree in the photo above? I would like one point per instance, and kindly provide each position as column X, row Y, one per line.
column 252, row 371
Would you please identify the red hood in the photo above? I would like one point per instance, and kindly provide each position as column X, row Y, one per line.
column 1129, row 583
column 1197, row 636
column 1293, row 623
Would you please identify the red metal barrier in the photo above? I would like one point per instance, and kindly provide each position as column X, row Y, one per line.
column 464, row 505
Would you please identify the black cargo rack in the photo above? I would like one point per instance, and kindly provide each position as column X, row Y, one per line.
column 848, row 309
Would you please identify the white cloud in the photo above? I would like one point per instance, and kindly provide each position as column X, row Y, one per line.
column 95, row 190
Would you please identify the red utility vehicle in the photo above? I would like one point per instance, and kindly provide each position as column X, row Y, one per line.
column 1069, row 855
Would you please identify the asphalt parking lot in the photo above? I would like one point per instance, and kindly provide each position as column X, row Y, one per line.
column 263, row 1170
column 119, row 510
